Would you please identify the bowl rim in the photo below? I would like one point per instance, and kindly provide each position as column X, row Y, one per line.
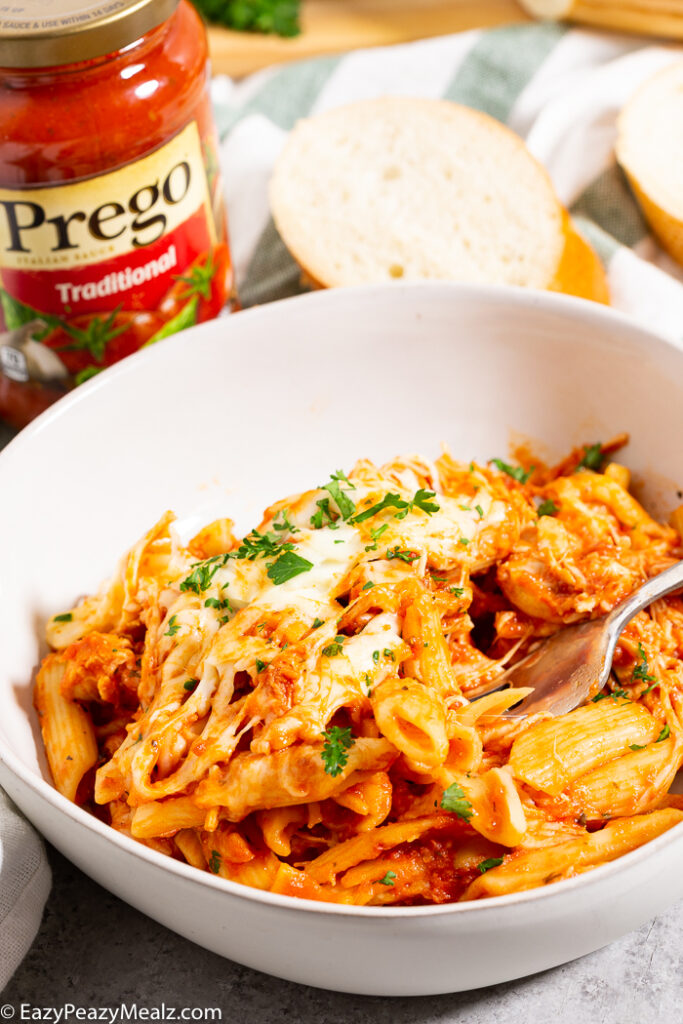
column 530, row 299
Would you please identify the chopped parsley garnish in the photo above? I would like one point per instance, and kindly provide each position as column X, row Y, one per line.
column 317, row 623
column 215, row 862
column 173, row 627
column 620, row 694
column 334, row 753
column 260, row 665
column 464, row 541
column 547, row 508
column 492, row 862
column 592, row 457
column 403, row 553
column 341, row 499
column 200, row 578
column 283, row 524
column 335, row 648
column 454, row 800
column 214, row 602
column 516, row 472
column 458, row 591
column 65, row 617
column 598, row 696
column 388, row 501
column 376, row 534
column 388, row 879
column 664, row 734
column 422, row 499
column 324, row 516
column 368, row 586
column 287, row 566
column 375, row 657
column 388, row 653
column 479, row 509
column 190, row 684
column 641, row 671
column 260, row 545
column 636, row 746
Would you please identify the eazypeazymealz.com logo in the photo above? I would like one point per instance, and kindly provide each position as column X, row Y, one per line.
column 111, row 1014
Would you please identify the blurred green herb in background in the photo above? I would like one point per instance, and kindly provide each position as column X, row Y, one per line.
column 277, row 17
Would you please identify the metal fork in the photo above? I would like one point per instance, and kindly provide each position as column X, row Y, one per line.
column 574, row 664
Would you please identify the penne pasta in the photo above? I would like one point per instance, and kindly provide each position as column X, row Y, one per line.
column 295, row 710
column 67, row 730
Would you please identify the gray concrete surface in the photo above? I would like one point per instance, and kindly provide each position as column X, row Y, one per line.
column 95, row 951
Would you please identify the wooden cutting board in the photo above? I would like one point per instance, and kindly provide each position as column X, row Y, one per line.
column 331, row 26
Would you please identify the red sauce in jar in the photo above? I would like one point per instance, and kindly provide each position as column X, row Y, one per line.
column 112, row 224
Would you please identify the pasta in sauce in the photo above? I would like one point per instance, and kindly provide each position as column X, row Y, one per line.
column 293, row 711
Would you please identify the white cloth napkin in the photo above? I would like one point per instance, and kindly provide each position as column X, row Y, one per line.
column 559, row 88
column 25, row 882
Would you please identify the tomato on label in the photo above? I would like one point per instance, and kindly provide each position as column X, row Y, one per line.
column 102, row 338
column 208, row 278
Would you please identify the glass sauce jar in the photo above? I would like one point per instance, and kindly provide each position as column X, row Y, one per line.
column 112, row 224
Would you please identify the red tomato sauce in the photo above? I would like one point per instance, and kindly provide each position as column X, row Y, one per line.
column 112, row 223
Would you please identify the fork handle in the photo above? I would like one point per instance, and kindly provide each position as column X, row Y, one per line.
column 660, row 585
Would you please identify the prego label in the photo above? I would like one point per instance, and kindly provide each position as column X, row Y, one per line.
column 91, row 270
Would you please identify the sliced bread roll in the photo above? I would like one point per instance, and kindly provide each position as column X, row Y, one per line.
column 414, row 189
column 649, row 17
column 650, row 149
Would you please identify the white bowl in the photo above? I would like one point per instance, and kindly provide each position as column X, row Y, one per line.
column 238, row 412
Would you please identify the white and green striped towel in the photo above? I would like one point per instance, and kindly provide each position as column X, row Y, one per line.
column 559, row 88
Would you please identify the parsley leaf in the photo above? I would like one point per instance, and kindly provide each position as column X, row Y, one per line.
column 516, row 472
column 458, row 591
column 479, row 509
column 454, row 800
column 260, row 545
column 388, row 501
column 376, row 534
column 283, row 524
column 287, row 566
column 324, row 516
column 402, row 553
column 641, row 669
column 260, row 665
column 334, row 752
column 592, row 458
column 190, row 684
column 341, row 499
column 368, row 586
column 173, row 627
column 65, row 617
column 317, row 623
column 636, row 746
column 492, row 862
column 335, row 648
column 421, row 499
column 547, row 508
column 214, row 602
column 200, row 578
column 276, row 17
column 664, row 734
column 215, row 862
column 388, row 878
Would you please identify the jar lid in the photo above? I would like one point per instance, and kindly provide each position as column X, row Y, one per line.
column 47, row 33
